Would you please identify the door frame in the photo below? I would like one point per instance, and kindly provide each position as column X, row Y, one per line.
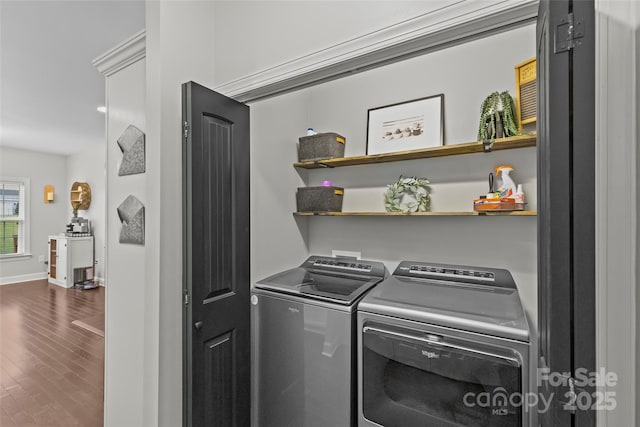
column 617, row 214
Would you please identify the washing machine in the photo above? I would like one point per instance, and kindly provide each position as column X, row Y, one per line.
column 443, row 345
column 304, row 342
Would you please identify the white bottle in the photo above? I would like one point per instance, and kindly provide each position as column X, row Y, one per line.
column 508, row 187
column 519, row 194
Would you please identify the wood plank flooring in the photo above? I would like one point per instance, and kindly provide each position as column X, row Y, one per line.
column 51, row 371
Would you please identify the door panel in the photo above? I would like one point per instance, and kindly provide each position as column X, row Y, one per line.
column 554, row 211
column 584, row 295
column 566, row 226
column 216, row 259
column 219, row 379
column 61, row 261
column 216, row 180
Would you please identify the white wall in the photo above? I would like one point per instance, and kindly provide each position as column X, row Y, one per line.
column 617, row 59
column 125, row 269
column 280, row 241
column 89, row 167
column 45, row 219
column 636, row 120
column 180, row 47
column 269, row 33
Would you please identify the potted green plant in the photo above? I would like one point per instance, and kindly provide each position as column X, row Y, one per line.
column 497, row 116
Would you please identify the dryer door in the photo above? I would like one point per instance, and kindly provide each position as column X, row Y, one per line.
column 416, row 378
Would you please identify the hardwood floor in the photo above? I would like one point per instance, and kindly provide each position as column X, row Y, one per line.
column 51, row 371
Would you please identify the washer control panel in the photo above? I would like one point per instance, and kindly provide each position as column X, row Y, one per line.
column 348, row 264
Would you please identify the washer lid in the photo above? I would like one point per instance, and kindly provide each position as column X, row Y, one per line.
column 477, row 308
column 326, row 286
column 338, row 280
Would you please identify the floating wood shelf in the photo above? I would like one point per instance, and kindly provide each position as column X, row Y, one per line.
column 80, row 196
column 462, row 213
column 446, row 150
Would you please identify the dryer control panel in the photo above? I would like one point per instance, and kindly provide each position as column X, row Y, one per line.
column 456, row 273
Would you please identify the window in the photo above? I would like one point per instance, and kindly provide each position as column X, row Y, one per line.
column 13, row 215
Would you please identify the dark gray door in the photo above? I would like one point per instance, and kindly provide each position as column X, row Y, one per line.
column 215, row 259
column 566, row 218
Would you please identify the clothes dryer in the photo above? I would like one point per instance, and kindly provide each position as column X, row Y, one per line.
column 443, row 345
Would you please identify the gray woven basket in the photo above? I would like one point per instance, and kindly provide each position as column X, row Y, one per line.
column 327, row 145
column 319, row 199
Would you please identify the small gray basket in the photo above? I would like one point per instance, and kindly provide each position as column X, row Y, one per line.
column 327, row 145
column 319, row 199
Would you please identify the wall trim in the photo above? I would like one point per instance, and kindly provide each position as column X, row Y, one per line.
column 123, row 55
column 437, row 29
column 10, row 280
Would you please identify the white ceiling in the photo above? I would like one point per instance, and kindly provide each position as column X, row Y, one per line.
column 49, row 91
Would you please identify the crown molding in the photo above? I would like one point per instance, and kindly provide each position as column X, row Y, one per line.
column 123, row 55
column 437, row 29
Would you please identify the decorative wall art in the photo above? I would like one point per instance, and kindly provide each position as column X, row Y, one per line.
column 131, row 214
column 410, row 125
column 131, row 143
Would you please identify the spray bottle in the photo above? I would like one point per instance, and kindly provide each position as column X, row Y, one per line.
column 508, row 187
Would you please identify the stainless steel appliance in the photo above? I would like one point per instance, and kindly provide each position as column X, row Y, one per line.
column 78, row 226
column 304, row 343
column 443, row 345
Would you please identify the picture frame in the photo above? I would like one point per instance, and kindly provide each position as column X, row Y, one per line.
column 404, row 126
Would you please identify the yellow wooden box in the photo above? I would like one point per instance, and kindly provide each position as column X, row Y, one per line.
column 526, row 92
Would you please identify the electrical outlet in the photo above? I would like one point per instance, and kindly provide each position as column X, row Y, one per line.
column 41, row 258
column 349, row 254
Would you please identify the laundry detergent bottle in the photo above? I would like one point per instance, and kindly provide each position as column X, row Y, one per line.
column 508, row 187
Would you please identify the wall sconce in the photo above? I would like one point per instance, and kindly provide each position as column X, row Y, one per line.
column 49, row 192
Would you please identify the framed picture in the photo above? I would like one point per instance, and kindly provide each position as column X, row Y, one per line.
column 409, row 125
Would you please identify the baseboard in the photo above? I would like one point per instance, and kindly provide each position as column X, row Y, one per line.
column 22, row 278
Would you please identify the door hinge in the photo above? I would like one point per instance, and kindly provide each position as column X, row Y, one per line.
column 569, row 33
column 185, row 127
column 186, row 298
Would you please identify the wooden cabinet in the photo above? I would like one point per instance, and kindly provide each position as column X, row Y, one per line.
column 67, row 254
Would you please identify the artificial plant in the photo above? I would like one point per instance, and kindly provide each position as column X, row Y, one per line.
column 498, row 111
column 408, row 195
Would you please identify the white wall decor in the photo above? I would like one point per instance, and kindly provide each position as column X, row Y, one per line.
column 131, row 214
column 131, row 143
